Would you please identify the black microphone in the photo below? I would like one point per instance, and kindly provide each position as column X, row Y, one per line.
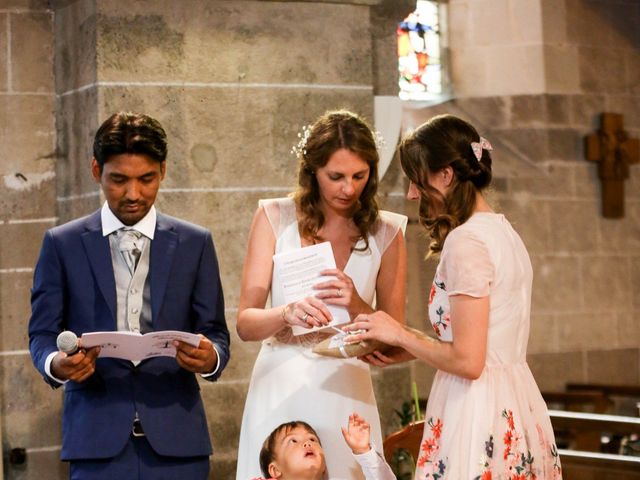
column 67, row 342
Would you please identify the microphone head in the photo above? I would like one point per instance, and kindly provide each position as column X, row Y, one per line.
column 67, row 342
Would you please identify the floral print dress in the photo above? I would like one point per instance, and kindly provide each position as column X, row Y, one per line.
column 495, row 427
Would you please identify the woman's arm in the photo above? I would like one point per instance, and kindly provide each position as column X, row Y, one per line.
column 391, row 285
column 254, row 321
column 465, row 356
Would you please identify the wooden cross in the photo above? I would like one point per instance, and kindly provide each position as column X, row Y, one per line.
column 614, row 151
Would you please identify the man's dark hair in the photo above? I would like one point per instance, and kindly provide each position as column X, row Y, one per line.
column 267, row 452
column 126, row 132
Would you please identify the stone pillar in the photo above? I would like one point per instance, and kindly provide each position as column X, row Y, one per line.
column 232, row 83
column 29, row 411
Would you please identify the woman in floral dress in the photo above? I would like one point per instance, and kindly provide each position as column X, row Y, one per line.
column 485, row 418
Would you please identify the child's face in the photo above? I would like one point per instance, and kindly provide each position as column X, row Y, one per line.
column 297, row 454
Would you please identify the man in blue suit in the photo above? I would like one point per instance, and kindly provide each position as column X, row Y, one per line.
column 127, row 267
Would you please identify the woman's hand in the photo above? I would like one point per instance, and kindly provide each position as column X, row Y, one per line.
column 390, row 357
column 310, row 312
column 377, row 326
column 341, row 291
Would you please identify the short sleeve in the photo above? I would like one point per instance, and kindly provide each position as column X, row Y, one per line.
column 390, row 224
column 465, row 265
column 280, row 212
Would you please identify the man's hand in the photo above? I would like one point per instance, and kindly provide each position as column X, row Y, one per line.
column 357, row 434
column 200, row 359
column 77, row 367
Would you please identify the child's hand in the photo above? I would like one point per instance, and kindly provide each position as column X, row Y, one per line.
column 357, row 434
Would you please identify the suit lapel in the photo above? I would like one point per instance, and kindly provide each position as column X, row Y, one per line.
column 99, row 255
column 163, row 248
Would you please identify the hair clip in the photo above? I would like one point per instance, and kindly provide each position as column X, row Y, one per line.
column 477, row 147
column 299, row 150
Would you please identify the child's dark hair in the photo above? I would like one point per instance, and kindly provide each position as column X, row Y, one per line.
column 268, row 447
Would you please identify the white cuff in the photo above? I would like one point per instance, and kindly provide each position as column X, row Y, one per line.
column 205, row 375
column 47, row 368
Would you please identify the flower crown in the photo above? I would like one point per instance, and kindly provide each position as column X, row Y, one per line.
column 300, row 149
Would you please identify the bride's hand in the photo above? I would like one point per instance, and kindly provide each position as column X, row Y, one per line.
column 308, row 313
column 341, row 291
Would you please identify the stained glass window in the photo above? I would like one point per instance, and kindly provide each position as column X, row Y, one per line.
column 419, row 61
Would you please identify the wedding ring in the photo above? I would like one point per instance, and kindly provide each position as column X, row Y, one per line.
column 339, row 292
column 304, row 317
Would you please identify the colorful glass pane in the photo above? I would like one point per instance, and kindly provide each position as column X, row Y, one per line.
column 419, row 53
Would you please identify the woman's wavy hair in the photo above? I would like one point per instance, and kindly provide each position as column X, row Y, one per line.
column 445, row 141
column 331, row 132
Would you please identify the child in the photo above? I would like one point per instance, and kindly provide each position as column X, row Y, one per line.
column 293, row 452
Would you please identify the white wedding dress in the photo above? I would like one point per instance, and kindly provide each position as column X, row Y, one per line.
column 290, row 382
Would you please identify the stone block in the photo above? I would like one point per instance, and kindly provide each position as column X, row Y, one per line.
column 556, row 284
column 527, row 110
column 77, row 121
column 565, row 144
column 616, row 367
column 224, row 404
column 561, row 68
column 622, row 19
column 228, row 42
column 587, row 183
column 31, row 410
column 558, row 109
column 628, row 328
column 621, row 234
column 530, row 218
column 15, row 310
column 585, row 25
column 552, row 371
column 76, row 207
column 629, row 106
column 586, row 110
column 554, row 25
column 4, row 79
column 40, row 465
column 487, row 112
column 517, row 22
column 75, row 32
column 593, row 61
column 633, row 72
column 585, row 331
column 20, row 244
column 34, row 197
column 526, row 70
column 543, row 333
column 554, row 179
column 223, row 467
column 24, row 4
column 529, row 143
column 605, row 283
column 472, row 59
column 634, row 265
column 221, row 137
column 459, row 25
column 573, row 226
column 27, row 134
column 32, row 37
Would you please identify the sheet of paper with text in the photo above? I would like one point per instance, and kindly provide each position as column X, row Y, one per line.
column 299, row 270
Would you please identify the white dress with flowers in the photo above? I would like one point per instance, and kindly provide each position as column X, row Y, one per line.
column 290, row 382
column 496, row 427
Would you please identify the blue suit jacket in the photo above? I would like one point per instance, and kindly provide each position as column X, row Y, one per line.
column 74, row 289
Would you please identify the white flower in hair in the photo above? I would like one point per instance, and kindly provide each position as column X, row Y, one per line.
column 300, row 149
column 379, row 139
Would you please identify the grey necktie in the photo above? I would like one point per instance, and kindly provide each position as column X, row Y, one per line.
column 130, row 245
